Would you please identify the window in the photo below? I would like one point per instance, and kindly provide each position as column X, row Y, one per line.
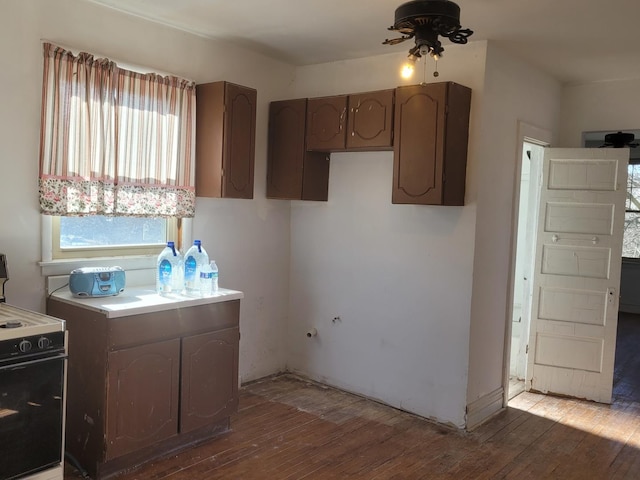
column 631, row 242
column 103, row 236
column 116, row 156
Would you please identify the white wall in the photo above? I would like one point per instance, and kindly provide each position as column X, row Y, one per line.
column 399, row 276
column 249, row 239
column 514, row 92
column 602, row 106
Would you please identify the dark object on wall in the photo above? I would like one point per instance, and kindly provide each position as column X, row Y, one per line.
column 425, row 20
column 619, row 140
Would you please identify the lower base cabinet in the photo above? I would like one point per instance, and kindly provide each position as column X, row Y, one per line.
column 143, row 386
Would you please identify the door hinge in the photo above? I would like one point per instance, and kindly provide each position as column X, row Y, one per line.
column 526, row 349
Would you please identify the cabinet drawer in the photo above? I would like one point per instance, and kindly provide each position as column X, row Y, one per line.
column 158, row 326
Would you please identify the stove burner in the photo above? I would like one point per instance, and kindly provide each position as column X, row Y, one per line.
column 11, row 324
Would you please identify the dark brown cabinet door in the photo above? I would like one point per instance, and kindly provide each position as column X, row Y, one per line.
column 225, row 140
column 209, row 382
column 293, row 173
column 239, row 141
column 326, row 123
column 142, row 396
column 370, row 120
column 431, row 126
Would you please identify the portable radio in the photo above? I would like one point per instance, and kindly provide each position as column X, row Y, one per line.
column 96, row 281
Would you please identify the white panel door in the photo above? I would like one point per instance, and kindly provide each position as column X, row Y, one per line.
column 574, row 312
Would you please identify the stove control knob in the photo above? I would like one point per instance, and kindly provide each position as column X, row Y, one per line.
column 44, row 342
column 24, row 346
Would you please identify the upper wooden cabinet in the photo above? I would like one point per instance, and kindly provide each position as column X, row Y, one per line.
column 431, row 127
column 293, row 173
column 326, row 122
column 362, row 121
column 225, row 140
column 370, row 121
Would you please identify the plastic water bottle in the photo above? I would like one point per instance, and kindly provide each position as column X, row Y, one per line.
column 169, row 275
column 206, row 284
column 214, row 277
column 209, row 279
column 195, row 258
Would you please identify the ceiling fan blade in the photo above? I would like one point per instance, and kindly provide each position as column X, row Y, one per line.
column 395, row 41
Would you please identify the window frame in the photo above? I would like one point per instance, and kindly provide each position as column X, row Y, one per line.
column 635, row 163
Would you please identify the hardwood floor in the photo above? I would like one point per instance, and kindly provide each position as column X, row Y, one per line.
column 289, row 428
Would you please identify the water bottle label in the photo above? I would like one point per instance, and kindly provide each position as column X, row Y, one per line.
column 190, row 266
column 164, row 272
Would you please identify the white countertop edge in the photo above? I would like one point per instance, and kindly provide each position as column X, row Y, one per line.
column 138, row 300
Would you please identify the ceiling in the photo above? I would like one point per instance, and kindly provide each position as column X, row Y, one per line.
column 576, row 41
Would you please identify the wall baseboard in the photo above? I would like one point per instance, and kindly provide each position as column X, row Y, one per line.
column 484, row 408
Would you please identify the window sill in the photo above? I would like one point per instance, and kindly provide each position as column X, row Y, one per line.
column 64, row 266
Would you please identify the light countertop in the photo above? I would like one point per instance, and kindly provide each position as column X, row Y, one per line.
column 137, row 300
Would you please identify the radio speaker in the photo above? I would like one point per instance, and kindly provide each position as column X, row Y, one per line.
column 81, row 285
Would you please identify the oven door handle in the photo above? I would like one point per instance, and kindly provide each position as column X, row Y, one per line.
column 12, row 366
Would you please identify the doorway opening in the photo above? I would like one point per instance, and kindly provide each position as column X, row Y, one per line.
column 526, row 221
column 565, row 275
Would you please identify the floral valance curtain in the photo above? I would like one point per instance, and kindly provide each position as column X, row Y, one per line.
column 113, row 141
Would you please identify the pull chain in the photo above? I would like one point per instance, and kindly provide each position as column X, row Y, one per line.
column 424, row 70
column 435, row 73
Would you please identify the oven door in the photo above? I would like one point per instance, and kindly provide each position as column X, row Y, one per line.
column 31, row 415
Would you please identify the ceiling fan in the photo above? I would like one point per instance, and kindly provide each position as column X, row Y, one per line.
column 619, row 140
column 425, row 20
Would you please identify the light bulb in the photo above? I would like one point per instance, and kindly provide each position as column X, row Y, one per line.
column 407, row 70
column 409, row 67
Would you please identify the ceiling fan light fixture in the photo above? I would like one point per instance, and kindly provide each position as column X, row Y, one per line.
column 425, row 21
column 620, row 140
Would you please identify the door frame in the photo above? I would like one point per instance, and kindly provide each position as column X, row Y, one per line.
column 538, row 136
